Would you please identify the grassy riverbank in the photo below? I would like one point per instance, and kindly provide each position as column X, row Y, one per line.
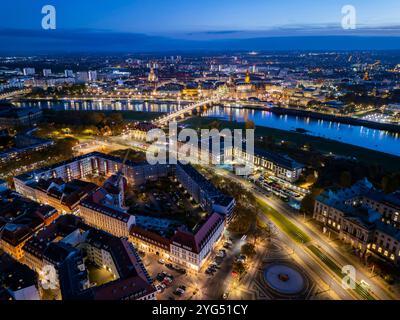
column 385, row 160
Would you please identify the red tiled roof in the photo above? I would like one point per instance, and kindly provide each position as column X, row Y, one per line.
column 197, row 240
column 130, row 288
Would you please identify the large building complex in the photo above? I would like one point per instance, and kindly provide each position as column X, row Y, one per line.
column 103, row 207
column 203, row 191
column 281, row 166
column 68, row 245
column 20, row 219
column 93, row 163
column 17, row 281
column 364, row 217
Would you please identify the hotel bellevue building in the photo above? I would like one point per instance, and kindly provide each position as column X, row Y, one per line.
column 363, row 217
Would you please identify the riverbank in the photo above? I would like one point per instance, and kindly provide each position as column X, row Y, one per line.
column 126, row 115
column 388, row 161
column 334, row 118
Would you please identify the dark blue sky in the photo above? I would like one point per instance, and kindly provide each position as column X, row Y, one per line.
column 158, row 16
column 188, row 20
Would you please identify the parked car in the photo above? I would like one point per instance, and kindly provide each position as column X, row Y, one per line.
column 210, row 271
column 177, row 292
column 182, row 287
column 167, row 281
column 161, row 261
column 159, row 288
column 160, row 277
column 181, row 270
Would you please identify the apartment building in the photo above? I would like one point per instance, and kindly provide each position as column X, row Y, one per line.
column 279, row 165
column 203, row 191
column 364, row 217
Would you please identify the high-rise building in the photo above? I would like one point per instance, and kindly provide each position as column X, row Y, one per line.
column 68, row 73
column 92, row 76
column 82, row 77
column 46, row 72
column 28, row 71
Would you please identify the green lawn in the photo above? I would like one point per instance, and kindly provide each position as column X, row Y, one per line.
column 284, row 224
column 299, row 236
column 388, row 161
column 364, row 294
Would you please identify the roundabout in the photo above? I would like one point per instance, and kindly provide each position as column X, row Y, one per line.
column 284, row 279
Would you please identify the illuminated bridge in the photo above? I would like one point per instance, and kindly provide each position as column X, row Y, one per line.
column 187, row 110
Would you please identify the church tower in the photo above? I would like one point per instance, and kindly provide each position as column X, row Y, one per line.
column 247, row 80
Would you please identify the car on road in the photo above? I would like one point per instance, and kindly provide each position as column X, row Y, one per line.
column 161, row 261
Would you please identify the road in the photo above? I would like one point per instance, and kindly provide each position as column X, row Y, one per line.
column 322, row 243
column 376, row 285
column 319, row 267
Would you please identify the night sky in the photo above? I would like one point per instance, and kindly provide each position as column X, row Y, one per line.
column 86, row 24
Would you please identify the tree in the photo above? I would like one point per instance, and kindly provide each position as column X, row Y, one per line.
column 248, row 250
column 239, row 268
column 345, row 179
column 250, row 124
column 215, row 125
column 390, row 183
column 308, row 202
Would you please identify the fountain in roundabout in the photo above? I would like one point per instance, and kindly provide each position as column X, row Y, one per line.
column 284, row 279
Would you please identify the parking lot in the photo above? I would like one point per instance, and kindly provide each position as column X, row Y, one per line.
column 205, row 284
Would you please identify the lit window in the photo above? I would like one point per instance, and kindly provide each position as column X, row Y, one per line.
column 380, row 250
